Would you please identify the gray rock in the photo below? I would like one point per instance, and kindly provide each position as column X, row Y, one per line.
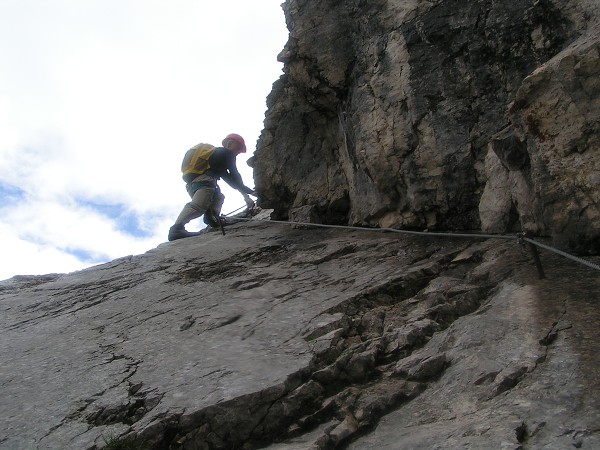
column 303, row 338
column 441, row 115
column 387, row 113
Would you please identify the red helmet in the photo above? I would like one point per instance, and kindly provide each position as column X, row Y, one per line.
column 237, row 138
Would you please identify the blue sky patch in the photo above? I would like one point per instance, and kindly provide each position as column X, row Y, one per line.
column 85, row 256
column 10, row 195
column 126, row 220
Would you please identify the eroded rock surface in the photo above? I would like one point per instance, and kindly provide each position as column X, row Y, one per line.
column 445, row 114
column 273, row 336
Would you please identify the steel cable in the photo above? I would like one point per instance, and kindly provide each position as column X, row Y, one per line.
column 566, row 255
column 520, row 236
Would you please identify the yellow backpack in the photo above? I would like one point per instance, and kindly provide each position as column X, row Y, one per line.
column 196, row 158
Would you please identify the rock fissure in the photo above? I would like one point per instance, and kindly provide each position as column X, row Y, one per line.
column 354, row 356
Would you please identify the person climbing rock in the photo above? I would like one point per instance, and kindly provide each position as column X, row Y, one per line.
column 202, row 167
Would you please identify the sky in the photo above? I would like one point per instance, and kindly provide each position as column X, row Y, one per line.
column 100, row 99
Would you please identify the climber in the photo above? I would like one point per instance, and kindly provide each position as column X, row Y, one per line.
column 203, row 165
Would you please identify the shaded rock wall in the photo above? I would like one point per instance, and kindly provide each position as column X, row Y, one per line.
column 446, row 114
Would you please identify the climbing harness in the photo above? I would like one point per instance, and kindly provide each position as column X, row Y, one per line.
column 522, row 238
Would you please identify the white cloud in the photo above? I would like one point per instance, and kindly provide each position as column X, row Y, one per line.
column 30, row 258
column 98, row 102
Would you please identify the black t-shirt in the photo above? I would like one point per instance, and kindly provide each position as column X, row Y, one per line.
column 223, row 165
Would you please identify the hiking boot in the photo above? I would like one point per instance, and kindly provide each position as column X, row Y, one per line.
column 179, row 232
column 211, row 219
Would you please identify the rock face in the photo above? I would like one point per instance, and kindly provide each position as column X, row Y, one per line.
column 284, row 338
column 442, row 114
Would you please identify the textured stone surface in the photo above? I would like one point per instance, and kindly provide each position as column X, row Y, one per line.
column 387, row 112
column 557, row 112
column 304, row 338
column 442, row 114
